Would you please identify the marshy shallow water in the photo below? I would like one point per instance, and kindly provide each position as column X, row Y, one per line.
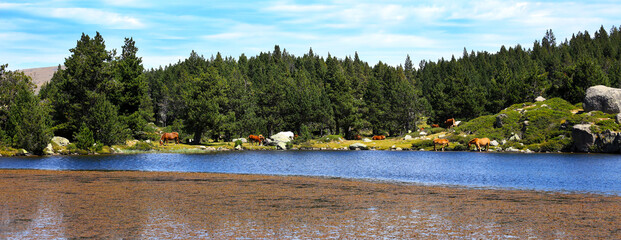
column 592, row 173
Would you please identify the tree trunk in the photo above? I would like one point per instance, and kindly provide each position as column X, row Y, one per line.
column 197, row 137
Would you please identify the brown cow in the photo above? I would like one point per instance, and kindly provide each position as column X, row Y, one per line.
column 478, row 142
column 357, row 137
column 438, row 141
column 379, row 137
column 254, row 138
column 435, row 125
column 169, row 136
column 449, row 123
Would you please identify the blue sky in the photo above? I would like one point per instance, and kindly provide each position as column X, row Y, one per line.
column 40, row 33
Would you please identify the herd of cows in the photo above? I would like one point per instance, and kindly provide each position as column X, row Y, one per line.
column 449, row 123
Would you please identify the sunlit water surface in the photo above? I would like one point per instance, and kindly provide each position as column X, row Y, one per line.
column 595, row 173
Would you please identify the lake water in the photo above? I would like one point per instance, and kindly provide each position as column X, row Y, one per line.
column 595, row 173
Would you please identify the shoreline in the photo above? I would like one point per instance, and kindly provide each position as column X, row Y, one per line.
column 135, row 204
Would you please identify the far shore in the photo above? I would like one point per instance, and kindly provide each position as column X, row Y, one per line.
column 128, row 204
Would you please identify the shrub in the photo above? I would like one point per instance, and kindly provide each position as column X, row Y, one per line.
column 331, row 138
column 459, row 138
column 84, row 138
column 604, row 125
column 556, row 145
column 435, row 130
column 238, row 143
column 289, row 145
column 141, row 146
column 460, row 147
column 422, row 144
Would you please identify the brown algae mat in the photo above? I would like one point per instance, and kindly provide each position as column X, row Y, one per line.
column 43, row 204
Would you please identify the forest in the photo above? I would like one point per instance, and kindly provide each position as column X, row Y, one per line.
column 103, row 97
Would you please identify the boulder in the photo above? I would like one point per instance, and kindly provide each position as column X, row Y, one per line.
column 22, row 152
column 281, row 146
column 540, row 99
column 499, row 118
column 457, row 123
column 49, row 150
column 494, row 143
column 583, row 138
column 60, row 141
column 422, row 133
column 407, row 137
column 239, row 147
column 398, row 149
column 618, row 118
column 243, row 140
column 515, row 137
column 512, row 149
column 366, row 140
column 358, row 146
column 283, row 137
column 602, row 98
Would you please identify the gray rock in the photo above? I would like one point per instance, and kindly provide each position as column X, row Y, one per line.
column 540, row 99
column 511, row 149
column 239, row 147
column 60, row 141
column 398, row 149
column 602, row 98
column 210, row 149
column 494, row 143
column 503, row 142
column 526, row 123
column 243, row 140
column 407, row 137
column 422, row 133
column 618, row 118
column 528, row 151
column 498, row 123
column 358, row 146
column 583, row 138
column 366, row 140
column 281, row 146
column 544, row 105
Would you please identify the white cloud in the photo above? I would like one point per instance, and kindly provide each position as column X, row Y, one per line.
column 93, row 16
column 80, row 15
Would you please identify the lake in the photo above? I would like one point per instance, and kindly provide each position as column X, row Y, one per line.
column 593, row 173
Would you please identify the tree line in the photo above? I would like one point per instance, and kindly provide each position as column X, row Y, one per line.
column 108, row 97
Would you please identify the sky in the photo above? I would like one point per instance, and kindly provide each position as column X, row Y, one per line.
column 40, row 33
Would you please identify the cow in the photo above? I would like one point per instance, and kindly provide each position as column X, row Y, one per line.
column 439, row 141
column 449, row 123
column 435, row 125
column 379, row 137
column 357, row 137
column 254, row 138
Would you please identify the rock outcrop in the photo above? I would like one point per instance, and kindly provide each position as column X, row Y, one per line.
column 498, row 123
column 602, row 98
column 583, row 138
column 587, row 141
